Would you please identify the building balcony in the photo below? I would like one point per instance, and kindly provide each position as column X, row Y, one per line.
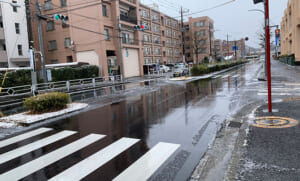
column 128, row 19
column 3, row 56
column 129, row 41
column 131, row 2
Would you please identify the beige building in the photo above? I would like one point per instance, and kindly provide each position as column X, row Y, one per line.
column 91, row 35
column 199, row 39
column 290, row 30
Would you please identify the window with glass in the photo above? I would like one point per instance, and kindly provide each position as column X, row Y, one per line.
column 147, row 50
column 67, row 42
column 146, row 37
column 48, row 5
column 168, row 32
column 63, row 3
column 156, row 39
column 104, row 10
column 125, row 38
column 147, row 60
column 17, row 27
column 202, row 23
column 157, row 51
column 52, row 45
column 20, row 51
column 106, row 34
column 155, row 17
column 169, row 42
column 50, row 25
column 169, row 52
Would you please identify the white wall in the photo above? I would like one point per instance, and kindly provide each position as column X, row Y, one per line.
column 90, row 57
column 131, row 62
column 12, row 40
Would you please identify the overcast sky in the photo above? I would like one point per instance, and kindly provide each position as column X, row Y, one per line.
column 233, row 18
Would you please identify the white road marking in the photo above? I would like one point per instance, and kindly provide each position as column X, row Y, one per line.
column 33, row 146
column 143, row 168
column 41, row 162
column 95, row 161
column 24, row 136
column 278, row 94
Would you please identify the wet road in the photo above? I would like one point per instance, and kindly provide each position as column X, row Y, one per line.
column 186, row 114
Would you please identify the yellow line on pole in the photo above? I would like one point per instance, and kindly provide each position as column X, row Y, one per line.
column 3, row 80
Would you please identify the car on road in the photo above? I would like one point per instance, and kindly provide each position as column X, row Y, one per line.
column 180, row 70
column 164, row 68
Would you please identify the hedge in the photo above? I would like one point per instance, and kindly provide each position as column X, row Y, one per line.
column 23, row 77
column 67, row 73
column 47, row 102
column 204, row 69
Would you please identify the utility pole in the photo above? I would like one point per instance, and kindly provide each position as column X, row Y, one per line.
column 227, row 46
column 38, row 13
column 120, row 44
column 235, row 49
column 182, row 35
column 209, row 29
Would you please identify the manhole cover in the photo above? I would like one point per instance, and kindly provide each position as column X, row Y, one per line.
column 274, row 122
column 235, row 124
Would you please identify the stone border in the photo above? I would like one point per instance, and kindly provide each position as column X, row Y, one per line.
column 23, row 119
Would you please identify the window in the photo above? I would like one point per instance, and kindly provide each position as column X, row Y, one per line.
column 157, row 51
column 202, row 42
column 67, row 42
column 17, row 26
column 48, row 5
column 15, row 9
column 52, row 45
column 20, row 51
column 156, row 39
column 203, row 50
column 147, row 50
column 202, row 23
column 125, row 38
column 104, row 10
column 54, row 61
column 50, row 25
column 146, row 38
column 147, row 60
column 106, row 34
column 63, row 3
column 202, row 33
column 155, row 17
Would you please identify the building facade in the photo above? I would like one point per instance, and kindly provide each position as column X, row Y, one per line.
column 199, row 39
column 229, row 50
column 14, row 44
column 290, row 30
column 91, row 35
column 218, row 52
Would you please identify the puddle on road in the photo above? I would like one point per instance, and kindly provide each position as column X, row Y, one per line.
column 172, row 113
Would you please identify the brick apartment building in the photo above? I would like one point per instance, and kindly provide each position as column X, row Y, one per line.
column 199, row 39
column 218, row 52
column 91, row 35
column 290, row 30
column 228, row 50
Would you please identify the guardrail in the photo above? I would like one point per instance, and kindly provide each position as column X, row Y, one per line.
column 62, row 86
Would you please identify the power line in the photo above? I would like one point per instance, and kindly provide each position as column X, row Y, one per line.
column 208, row 9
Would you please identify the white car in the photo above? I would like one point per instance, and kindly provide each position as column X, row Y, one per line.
column 164, row 68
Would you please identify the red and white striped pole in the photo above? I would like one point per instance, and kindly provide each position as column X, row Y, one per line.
column 268, row 54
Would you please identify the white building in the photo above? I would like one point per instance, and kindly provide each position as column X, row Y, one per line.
column 13, row 34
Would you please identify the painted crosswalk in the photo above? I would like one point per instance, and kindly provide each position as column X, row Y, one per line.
column 146, row 165
column 23, row 136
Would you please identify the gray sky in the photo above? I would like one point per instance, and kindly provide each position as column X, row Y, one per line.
column 233, row 18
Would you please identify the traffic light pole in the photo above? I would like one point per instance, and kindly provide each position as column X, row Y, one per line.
column 41, row 41
column 268, row 55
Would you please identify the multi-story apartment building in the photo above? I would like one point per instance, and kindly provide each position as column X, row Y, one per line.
column 162, row 42
column 91, row 35
column 199, row 39
column 13, row 35
column 290, row 30
column 228, row 48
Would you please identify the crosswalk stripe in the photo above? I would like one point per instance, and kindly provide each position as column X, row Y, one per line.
column 95, row 161
column 143, row 168
column 22, row 137
column 278, row 94
column 33, row 146
column 41, row 162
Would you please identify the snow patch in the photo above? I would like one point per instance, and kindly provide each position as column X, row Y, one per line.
column 26, row 119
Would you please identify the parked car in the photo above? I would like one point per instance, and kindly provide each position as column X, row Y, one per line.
column 180, row 70
column 164, row 68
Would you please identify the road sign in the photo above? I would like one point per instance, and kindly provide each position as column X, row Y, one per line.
column 235, row 48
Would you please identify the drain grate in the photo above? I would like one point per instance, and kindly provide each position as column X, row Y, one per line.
column 235, row 124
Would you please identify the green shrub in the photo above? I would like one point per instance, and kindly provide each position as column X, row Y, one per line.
column 17, row 78
column 68, row 73
column 199, row 70
column 47, row 102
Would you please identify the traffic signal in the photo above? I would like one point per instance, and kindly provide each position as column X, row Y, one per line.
column 258, row 1
column 141, row 27
column 60, row 17
column 277, row 33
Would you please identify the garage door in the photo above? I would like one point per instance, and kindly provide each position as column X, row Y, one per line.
column 131, row 62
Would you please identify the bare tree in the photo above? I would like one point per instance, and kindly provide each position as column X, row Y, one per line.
column 198, row 45
column 262, row 36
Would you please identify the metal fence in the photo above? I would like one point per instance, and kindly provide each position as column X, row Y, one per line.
column 61, row 86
